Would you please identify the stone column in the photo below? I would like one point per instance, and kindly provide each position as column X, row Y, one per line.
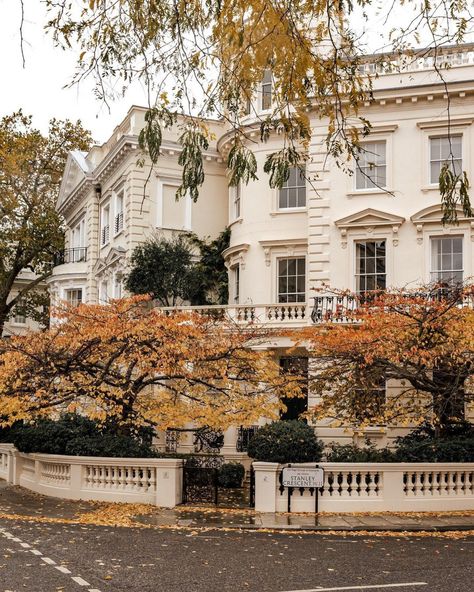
column 266, row 486
column 169, row 482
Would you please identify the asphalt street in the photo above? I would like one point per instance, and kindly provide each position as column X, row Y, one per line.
column 40, row 557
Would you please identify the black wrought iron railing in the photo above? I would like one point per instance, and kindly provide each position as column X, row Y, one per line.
column 334, row 308
column 118, row 223
column 244, row 435
column 74, row 255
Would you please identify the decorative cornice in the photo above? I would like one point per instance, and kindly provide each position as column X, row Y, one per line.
column 434, row 215
column 235, row 254
column 288, row 245
column 114, row 256
column 369, row 219
column 453, row 122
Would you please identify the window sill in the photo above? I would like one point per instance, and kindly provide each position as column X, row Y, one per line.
column 118, row 233
column 284, row 211
column 431, row 187
column 236, row 221
column 358, row 192
column 103, row 245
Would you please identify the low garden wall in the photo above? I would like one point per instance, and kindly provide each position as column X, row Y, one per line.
column 348, row 487
column 152, row 481
column 371, row 487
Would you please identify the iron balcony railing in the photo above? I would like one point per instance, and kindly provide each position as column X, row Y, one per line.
column 74, row 255
column 244, row 435
column 105, row 235
column 118, row 223
column 340, row 308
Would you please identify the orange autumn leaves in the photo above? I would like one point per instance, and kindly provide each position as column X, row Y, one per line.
column 420, row 345
column 141, row 366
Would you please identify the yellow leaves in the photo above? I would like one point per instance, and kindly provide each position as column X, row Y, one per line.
column 142, row 366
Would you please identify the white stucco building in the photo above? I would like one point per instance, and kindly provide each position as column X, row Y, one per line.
column 382, row 228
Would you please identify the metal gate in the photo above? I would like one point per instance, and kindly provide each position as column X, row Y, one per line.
column 201, row 479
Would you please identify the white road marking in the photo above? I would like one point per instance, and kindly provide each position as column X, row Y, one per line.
column 373, row 587
column 48, row 560
column 80, row 581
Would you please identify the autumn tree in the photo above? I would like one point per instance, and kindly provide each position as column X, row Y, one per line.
column 424, row 340
column 31, row 166
column 142, row 366
column 209, row 58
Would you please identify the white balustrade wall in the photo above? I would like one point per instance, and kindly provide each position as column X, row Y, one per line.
column 149, row 480
column 371, row 487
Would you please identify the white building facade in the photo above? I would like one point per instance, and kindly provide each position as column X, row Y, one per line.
column 380, row 227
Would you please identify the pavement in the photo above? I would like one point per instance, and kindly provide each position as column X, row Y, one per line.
column 16, row 502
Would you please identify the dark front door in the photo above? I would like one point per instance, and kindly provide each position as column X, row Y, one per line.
column 295, row 406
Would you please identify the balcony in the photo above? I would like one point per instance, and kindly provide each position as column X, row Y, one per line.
column 268, row 314
column 74, row 255
column 419, row 60
column 118, row 223
column 326, row 308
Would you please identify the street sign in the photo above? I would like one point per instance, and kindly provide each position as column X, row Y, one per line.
column 303, row 477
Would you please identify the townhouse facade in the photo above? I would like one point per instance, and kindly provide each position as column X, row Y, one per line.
column 377, row 228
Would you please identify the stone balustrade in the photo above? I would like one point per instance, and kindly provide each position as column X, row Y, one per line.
column 419, row 60
column 371, row 487
column 143, row 480
column 292, row 313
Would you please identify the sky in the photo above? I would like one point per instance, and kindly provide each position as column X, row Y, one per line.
column 38, row 88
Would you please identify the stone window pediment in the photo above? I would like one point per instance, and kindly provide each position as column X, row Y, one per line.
column 433, row 215
column 235, row 255
column 369, row 220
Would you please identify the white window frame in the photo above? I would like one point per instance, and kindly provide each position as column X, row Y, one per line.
column 277, row 274
column 261, row 107
column 373, row 140
column 443, row 234
column 355, row 269
column 19, row 319
column 433, row 238
column 236, row 279
column 104, row 291
column 290, row 209
column 441, row 136
column 119, row 199
column 173, row 182
column 69, row 289
column 433, row 129
column 105, row 228
column 355, row 237
column 118, row 286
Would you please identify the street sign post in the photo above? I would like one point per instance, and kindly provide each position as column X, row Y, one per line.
column 303, row 477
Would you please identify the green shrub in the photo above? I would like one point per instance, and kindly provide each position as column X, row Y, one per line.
column 75, row 435
column 353, row 453
column 421, row 445
column 285, row 442
column 231, row 475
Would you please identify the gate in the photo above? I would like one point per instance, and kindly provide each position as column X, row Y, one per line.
column 201, row 479
column 201, row 484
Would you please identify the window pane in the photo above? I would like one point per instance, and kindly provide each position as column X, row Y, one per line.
column 291, row 264
column 435, row 169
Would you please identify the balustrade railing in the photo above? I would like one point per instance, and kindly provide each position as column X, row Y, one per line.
column 74, row 255
column 419, row 60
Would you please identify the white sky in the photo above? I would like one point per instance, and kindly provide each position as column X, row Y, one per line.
column 38, row 88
